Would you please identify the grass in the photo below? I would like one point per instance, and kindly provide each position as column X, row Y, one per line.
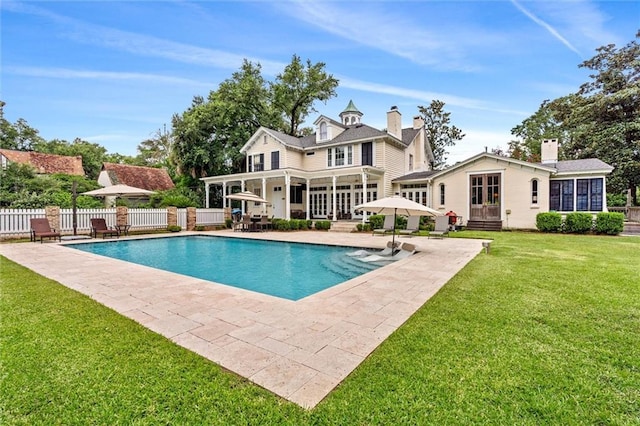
column 544, row 330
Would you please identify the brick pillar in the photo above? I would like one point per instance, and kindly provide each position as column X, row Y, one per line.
column 227, row 213
column 191, row 218
column 53, row 216
column 172, row 216
column 122, row 215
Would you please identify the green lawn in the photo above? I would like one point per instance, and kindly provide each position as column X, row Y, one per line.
column 544, row 330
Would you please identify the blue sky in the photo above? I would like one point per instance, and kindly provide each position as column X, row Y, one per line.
column 115, row 72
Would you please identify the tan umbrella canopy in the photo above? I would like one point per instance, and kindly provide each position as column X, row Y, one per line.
column 119, row 190
column 247, row 196
column 397, row 205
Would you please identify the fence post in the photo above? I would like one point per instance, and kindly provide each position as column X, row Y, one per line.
column 227, row 213
column 53, row 216
column 122, row 215
column 191, row 218
column 172, row 216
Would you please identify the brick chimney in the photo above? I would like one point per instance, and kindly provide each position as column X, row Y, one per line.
column 394, row 122
column 549, row 151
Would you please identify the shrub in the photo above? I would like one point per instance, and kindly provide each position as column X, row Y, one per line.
column 609, row 223
column 376, row 221
column 578, row 223
column 281, row 225
column 363, row 227
column 199, row 227
column 228, row 223
column 174, row 228
column 294, row 224
column 549, row 222
column 323, row 225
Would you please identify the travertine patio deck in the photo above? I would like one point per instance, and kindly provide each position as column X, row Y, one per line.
column 299, row 350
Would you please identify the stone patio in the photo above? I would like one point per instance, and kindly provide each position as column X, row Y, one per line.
column 299, row 350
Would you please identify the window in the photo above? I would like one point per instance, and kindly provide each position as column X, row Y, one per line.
column 534, row 191
column 442, row 194
column 410, row 161
column 295, row 194
column 275, row 160
column 340, row 156
column 256, row 163
column 561, row 195
column 323, row 131
column 258, row 192
column 589, row 194
column 367, row 154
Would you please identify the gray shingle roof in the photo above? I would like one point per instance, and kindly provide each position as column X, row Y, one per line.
column 416, row 175
column 584, row 165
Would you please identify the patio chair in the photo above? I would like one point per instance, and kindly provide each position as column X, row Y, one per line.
column 264, row 223
column 441, row 228
column 405, row 251
column 247, row 223
column 387, row 226
column 40, row 228
column 99, row 226
column 236, row 225
column 413, row 227
column 387, row 251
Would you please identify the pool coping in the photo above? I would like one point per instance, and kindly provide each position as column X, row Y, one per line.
column 299, row 350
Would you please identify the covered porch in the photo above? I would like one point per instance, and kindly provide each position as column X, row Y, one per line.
column 297, row 194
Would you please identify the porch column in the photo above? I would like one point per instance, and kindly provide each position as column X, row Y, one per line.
column 225, row 202
column 334, row 198
column 206, row 195
column 264, row 195
column 364, row 195
column 243, row 203
column 287, row 198
column 308, row 200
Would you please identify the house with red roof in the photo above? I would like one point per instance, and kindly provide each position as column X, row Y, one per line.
column 45, row 164
column 149, row 178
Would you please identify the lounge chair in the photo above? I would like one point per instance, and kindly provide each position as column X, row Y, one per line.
column 387, row 251
column 406, row 250
column 441, row 228
column 99, row 226
column 247, row 223
column 413, row 227
column 387, row 226
column 40, row 228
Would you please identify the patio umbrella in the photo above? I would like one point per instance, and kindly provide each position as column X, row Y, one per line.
column 247, row 196
column 397, row 205
column 119, row 190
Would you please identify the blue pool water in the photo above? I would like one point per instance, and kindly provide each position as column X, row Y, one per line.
column 288, row 270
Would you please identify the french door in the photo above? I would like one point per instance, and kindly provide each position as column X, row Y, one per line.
column 485, row 197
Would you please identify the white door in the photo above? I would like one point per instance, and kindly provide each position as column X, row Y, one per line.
column 277, row 202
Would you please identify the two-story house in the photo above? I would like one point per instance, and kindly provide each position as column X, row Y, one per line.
column 346, row 163
column 324, row 175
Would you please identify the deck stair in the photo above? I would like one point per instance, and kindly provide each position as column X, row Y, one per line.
column 631, row 228
column 484, row 225
column 344, row 226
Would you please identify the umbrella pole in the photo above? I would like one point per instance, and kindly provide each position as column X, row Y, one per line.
column 393, row 238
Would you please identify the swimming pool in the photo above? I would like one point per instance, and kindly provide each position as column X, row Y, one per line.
column 282, row 269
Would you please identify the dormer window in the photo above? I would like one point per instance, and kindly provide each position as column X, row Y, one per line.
column 323, row 131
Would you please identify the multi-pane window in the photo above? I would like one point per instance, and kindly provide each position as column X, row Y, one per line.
column 256, row 163
column 589, row 194
column 275, row 160
column 340, row 156
column 323, row 131
column 561, row 195
column 534, row 191
column 442, row 194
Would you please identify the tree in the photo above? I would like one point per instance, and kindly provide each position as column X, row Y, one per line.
column 533, row 130
column 298, row 87
column 155, row 151
column 439, row 133
column 604, row 116
column 19, row 136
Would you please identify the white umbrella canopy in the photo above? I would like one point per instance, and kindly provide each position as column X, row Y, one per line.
column 119, row 190
column 247, row 196
column 397, row 205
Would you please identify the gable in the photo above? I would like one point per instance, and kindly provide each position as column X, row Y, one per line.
column 149, row 178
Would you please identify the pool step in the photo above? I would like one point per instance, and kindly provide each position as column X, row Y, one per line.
column 346, row 266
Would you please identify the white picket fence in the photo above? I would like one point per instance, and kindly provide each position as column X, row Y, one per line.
column 16, row 222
